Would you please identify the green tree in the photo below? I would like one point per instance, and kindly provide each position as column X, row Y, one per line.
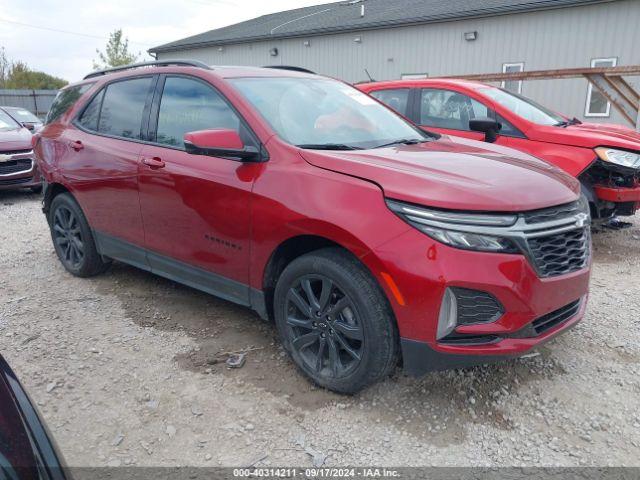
column 17, row 75
column 21, row 76
column 116, row 52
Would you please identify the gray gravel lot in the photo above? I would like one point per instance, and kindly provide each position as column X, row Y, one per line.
column 126, row 370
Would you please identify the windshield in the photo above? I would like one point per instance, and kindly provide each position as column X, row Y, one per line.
column 7, row 123
column 23, row 115
column 523, row 107
column 324, row 113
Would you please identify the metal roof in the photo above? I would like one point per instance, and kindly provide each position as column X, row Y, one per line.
column 346, row 16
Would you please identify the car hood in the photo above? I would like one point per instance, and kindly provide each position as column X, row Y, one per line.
column 18, row 139
column 589, row 135
column 455, row 173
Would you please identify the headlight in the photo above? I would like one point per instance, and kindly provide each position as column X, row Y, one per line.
column 619, row 157
column 456, row 229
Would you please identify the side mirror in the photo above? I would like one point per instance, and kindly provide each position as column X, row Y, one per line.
column 29, row 126
column 220, row 143
column 488, row 126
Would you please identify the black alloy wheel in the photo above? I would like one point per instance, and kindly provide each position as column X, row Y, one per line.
column 323, row 326
column 67, row 237
column 73, row 239
column 335, row 321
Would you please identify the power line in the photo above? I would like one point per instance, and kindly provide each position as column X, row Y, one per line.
column 63, row 31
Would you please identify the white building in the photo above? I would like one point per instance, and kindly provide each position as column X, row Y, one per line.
column 392, row 39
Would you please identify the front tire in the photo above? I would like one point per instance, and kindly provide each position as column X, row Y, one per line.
column 335, row 322
column 72, row 238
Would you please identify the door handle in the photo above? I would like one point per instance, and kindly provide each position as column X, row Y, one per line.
column 153, row 162
column 77, row 145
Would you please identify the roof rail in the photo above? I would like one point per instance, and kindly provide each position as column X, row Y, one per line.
column 157, row 63
column 292, row 68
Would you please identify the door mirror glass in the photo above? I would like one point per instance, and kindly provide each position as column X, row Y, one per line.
column 220, row 142
column 488, row 126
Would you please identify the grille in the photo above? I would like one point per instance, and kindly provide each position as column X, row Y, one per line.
column 475, row 306
column 14, row 152
column 15, row 181
column 555, row 318
column 552, row 213
column 15, row 166
column 561, row 253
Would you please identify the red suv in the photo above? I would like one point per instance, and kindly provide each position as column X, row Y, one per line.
column 605, row 158
column 365, row 238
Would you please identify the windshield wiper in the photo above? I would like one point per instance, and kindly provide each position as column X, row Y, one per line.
column 566, row 123
column 404, row 141
column 327, row 146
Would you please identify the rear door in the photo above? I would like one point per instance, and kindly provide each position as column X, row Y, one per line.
column 102, row 165
column 196, row 209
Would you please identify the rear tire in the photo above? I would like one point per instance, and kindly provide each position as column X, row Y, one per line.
column 72, row 238
column 335, row 322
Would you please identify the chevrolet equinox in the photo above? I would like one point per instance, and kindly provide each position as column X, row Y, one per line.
column 369, row 241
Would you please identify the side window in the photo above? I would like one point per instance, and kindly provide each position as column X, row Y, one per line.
column 189, row 105
column 123, row 106
column 449, row 109
column 396, row 99
column 508, row 129
column 64, row 100
column 89, row 118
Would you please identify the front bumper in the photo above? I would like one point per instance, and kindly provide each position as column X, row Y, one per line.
column 422, row 269
column 20, row 171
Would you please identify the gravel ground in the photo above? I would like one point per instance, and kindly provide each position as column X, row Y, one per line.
column 125, row 370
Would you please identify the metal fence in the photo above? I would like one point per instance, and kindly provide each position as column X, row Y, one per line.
column 36, row 101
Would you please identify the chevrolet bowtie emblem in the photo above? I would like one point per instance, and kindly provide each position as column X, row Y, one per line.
column 5, row 158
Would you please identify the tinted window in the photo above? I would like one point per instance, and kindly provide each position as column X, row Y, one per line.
column 189, row 105
column 89, row 118
column 448, row 109
column 122, row 108
column 395, row 99
column 64, row 100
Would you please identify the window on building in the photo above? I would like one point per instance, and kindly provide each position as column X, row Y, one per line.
column 188, row 106
column 597, row 103
column 397, row 99
column 514, row 86
column 123, row 106
column 449, row 109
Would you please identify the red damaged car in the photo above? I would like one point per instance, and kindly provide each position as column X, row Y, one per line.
column 605, row 158
column 365, row 239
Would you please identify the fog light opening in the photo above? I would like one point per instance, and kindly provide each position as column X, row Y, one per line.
column 447, row 320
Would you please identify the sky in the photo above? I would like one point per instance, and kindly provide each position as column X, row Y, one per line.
column 69, row 32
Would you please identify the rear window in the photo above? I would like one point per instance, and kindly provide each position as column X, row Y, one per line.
column 64, row 100
column 123, row 107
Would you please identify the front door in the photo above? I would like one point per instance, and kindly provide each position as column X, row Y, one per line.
column 196, row 209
